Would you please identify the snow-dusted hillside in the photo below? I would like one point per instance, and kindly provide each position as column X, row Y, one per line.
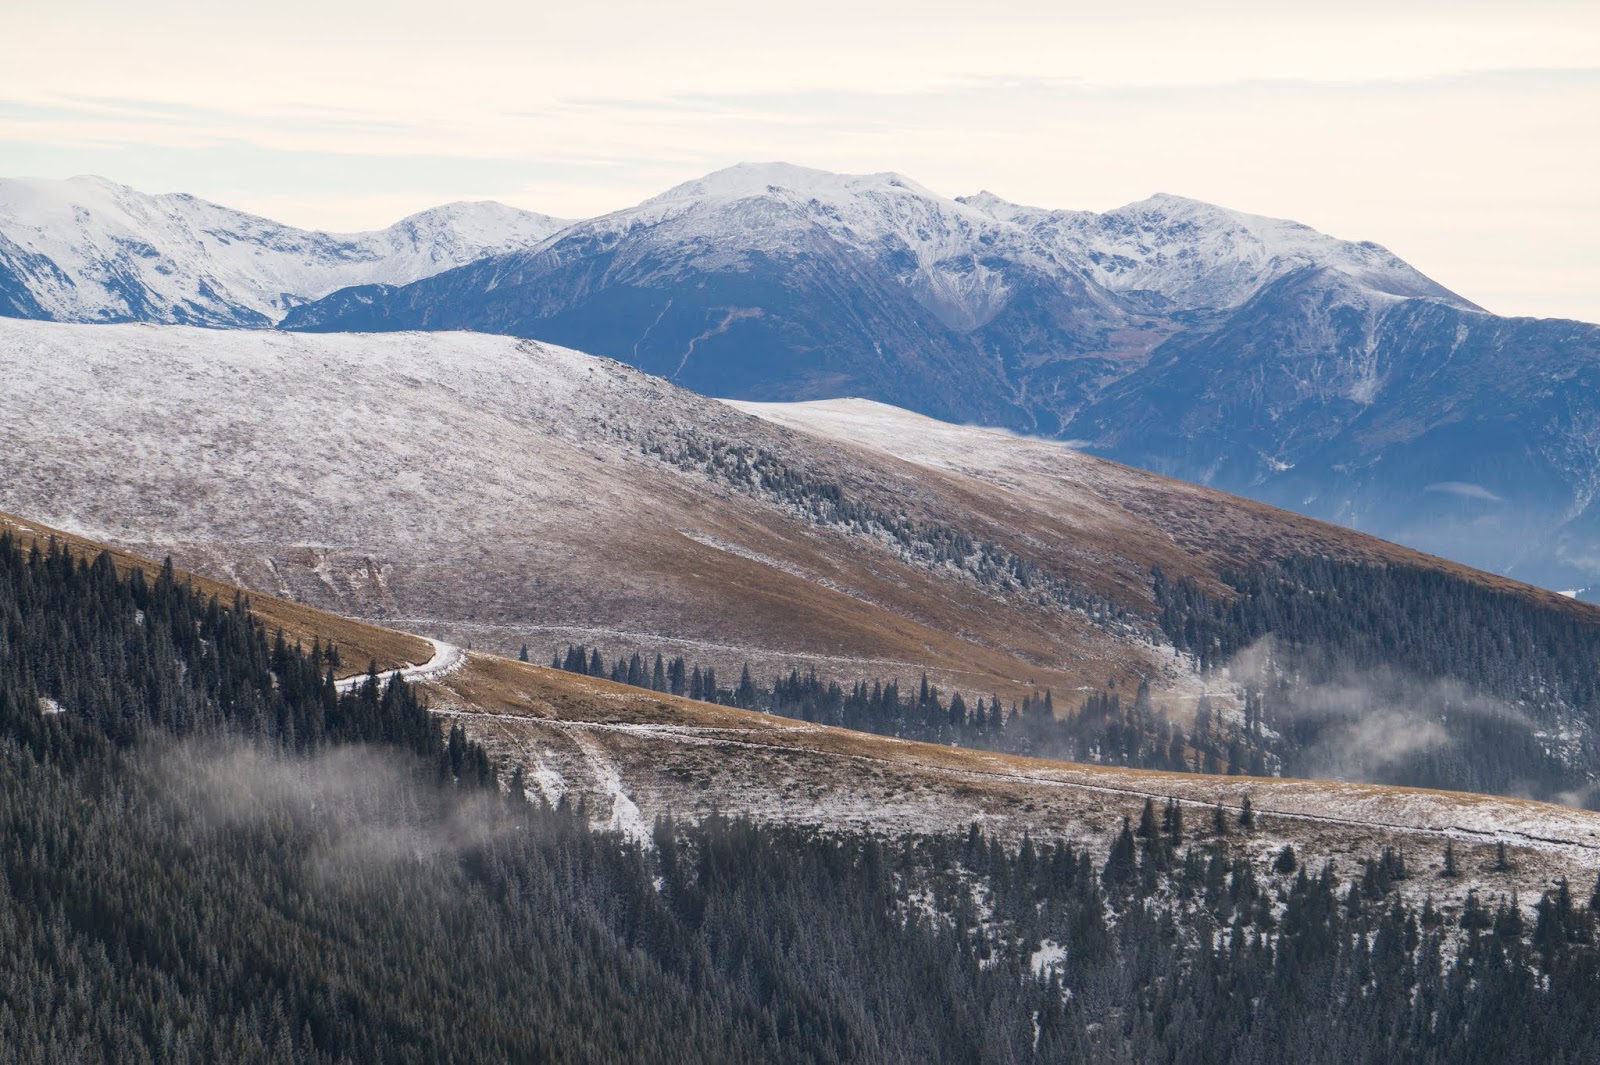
column 493, row 492
column 89, row 250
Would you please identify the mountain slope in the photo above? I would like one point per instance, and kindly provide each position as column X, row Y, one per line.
column 89, row 250
column 497, row 493
column 635, row 755
column 506, row 492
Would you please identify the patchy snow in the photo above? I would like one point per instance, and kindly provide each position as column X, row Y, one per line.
column 551, row 784
column 92, row 250
column 1050, row 956
column 689, row 760
column 48, row 705
column 625, row 816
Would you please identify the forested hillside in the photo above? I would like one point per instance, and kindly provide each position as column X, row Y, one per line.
column 210, row 854
column 1321, row 668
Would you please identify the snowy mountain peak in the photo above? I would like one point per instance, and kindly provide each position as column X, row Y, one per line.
column 748, row 180
column 992, row 205
column 89, row 249
column 1196, row 254
column 750, row 215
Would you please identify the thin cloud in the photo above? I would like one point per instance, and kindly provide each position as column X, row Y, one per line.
column 1464, row 489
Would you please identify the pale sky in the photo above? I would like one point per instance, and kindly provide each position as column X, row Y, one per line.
column 1463, row 136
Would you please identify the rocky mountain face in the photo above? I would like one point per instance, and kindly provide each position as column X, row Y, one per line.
column 89, row 250
column 1464, row 434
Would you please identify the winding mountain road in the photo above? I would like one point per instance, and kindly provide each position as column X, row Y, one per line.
column 447, row 658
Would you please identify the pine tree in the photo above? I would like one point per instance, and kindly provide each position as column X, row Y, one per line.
column 1121, row 868
column 1147, row 821
column 745, row 696
column 1174, row 824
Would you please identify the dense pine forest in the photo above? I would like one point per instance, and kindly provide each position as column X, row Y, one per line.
column 207, row 853
column 1508, row 688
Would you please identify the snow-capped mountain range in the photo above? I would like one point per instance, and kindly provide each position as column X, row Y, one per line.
column 775, row 281
column 1248, row 353
column 89, row 250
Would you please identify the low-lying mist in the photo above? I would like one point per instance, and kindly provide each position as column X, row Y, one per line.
column 1384, row 725
column 354, row 809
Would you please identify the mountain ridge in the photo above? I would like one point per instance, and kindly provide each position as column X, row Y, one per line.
column 89, row 249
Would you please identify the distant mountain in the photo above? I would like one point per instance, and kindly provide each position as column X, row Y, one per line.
column 774, row 281
column 1465, row 434
column 89, row 250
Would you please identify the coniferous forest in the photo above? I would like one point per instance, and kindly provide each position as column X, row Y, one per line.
column 210, row 854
